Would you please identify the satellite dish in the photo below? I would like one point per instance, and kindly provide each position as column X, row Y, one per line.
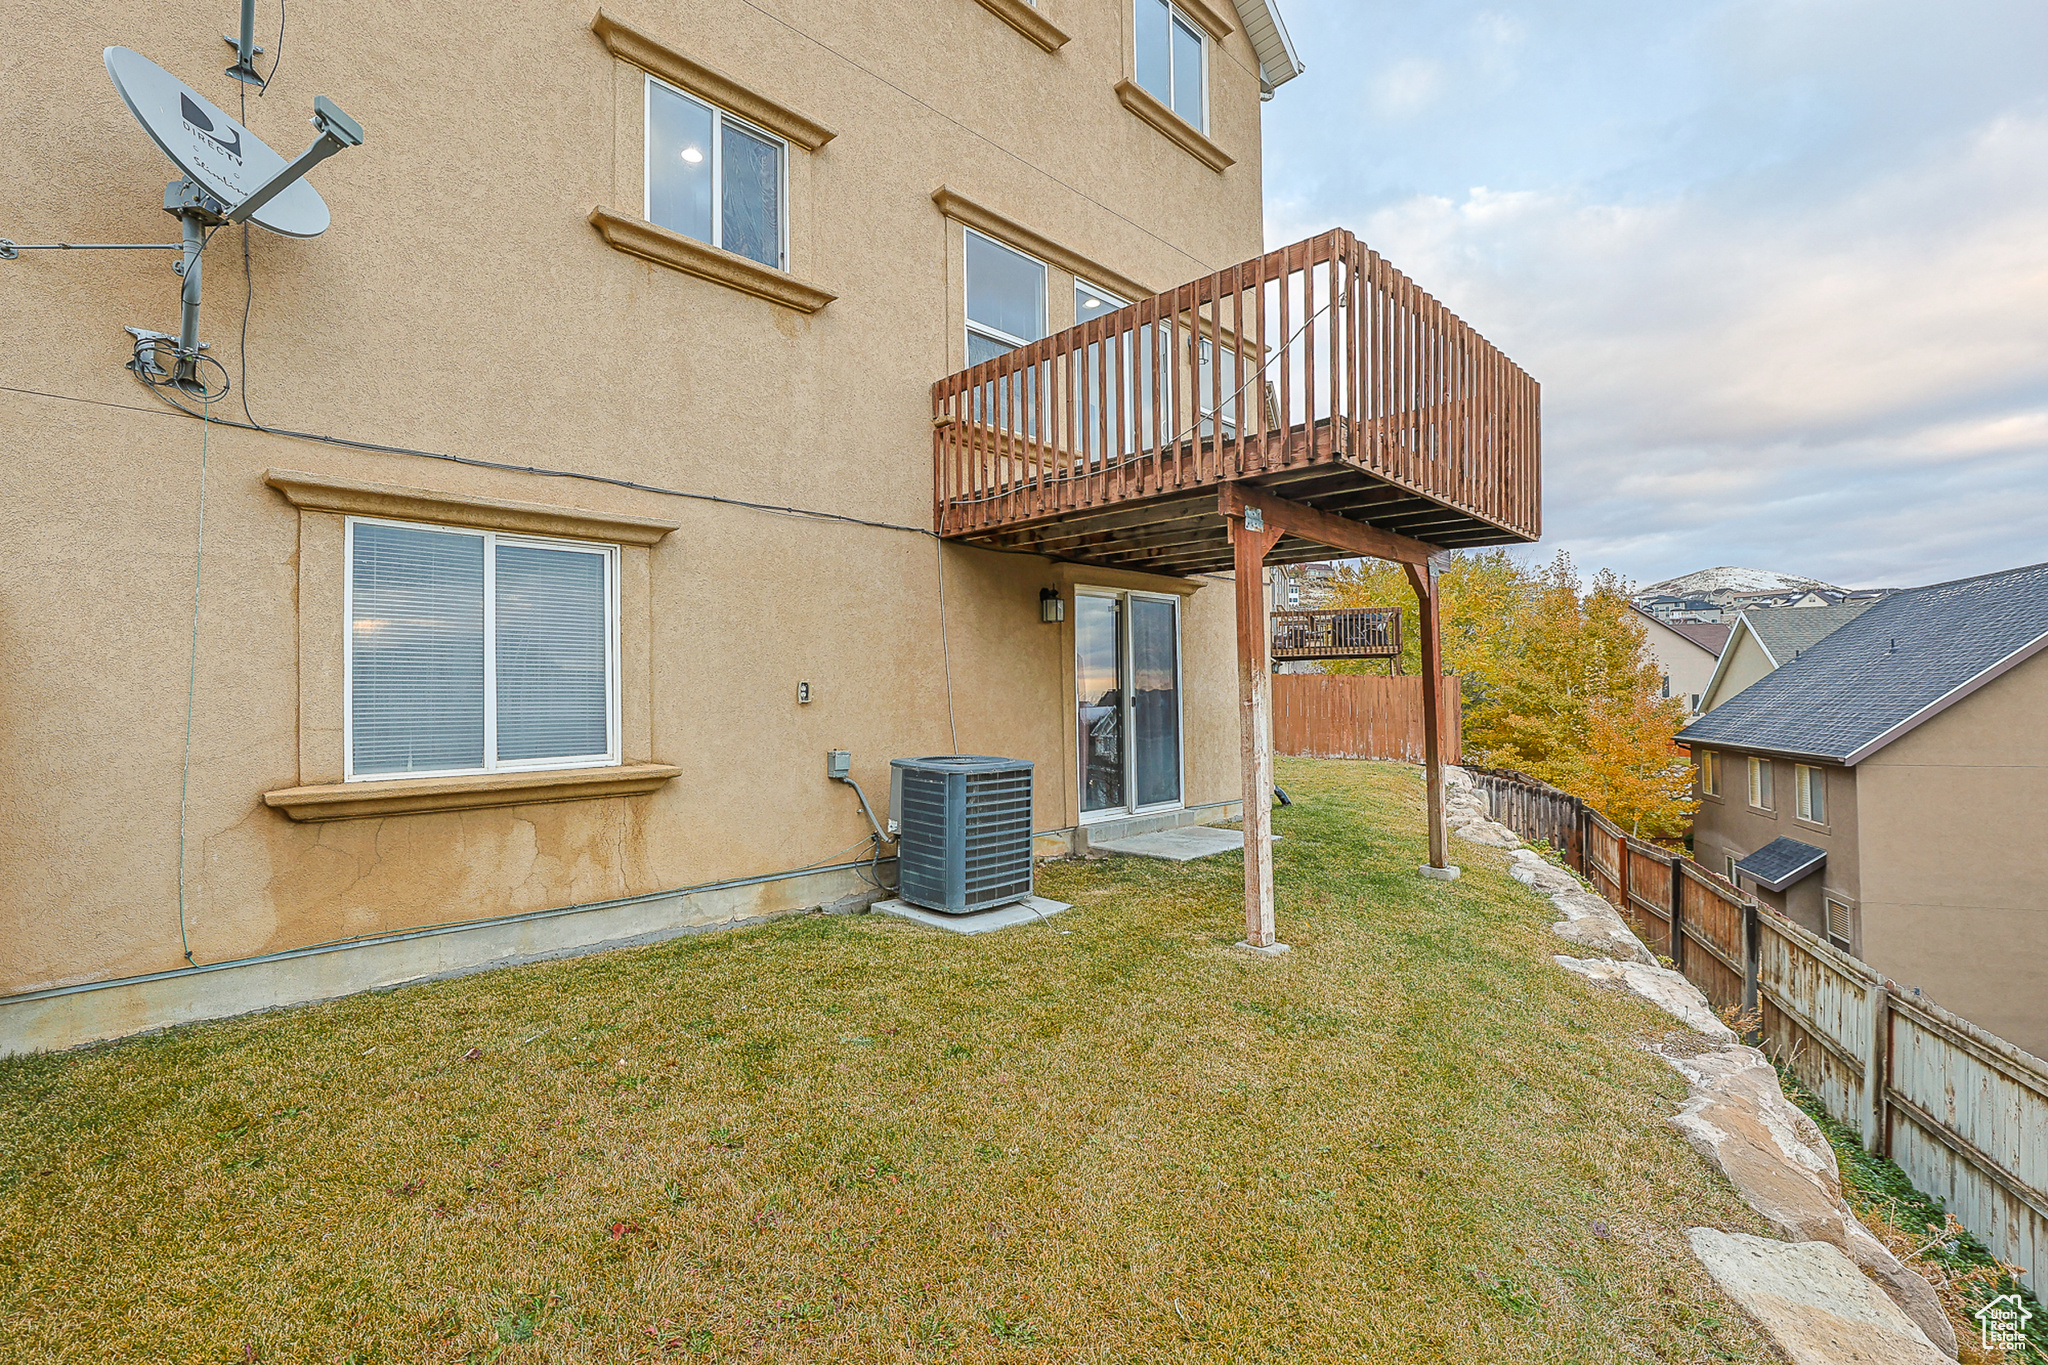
column 215, row 152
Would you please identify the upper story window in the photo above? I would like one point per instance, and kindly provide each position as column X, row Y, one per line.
column 1005, row 298
column 1810, row 793
column 714, row 177
column 1760, row 783
column 474, row 652
column 1172, row 56
column 1710, row 772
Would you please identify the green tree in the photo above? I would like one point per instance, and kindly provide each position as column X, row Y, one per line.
column 1556, row 680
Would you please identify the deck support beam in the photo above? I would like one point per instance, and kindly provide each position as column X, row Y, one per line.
column 1339, row 533
column 1423, row 579
column 1255, row 719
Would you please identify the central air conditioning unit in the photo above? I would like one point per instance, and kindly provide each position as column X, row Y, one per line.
column 964, row 830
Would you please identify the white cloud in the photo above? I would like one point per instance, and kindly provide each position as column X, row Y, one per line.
column 1405, row 89
column 1795, row 380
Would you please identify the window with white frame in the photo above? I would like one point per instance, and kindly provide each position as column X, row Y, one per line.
column 1760, row 783
column 1810, row 793
column 1005, row 298
column 1730, row 860
column 1172, row 60
column 477, row 651
column 1710, row 772
column 1838, row 925
column 714, row 177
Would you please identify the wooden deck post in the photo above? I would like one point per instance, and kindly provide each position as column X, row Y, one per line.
column 1255, row 717
column 1423, row 578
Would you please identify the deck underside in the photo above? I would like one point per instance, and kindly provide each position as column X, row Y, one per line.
column 1179, row 530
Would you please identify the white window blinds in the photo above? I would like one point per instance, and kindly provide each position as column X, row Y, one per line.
column 471, row 652
column 416, row 629
column 551, row 653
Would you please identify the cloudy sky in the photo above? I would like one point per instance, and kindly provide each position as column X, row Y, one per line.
column 1780, row 265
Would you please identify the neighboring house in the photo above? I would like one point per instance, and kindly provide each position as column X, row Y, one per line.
column 1664, row 607
column 1760, row 641
column 605, row 475
column 1686, row 653
column 1888, row 788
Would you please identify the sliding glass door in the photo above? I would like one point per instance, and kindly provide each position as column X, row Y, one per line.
column 1127, row 696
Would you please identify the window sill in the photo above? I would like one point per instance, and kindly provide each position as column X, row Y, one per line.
column 417, row 796
column 1804, row 823
column 638, row 237
column 1023, row 16
column 1178, row 130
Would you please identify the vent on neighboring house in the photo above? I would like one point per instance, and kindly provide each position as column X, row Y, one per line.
column 964, row 824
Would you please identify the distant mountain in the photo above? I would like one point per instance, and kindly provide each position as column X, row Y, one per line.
column 1725, row 582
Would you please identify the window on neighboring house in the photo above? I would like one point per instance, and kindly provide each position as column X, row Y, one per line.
column 1731, row 860
column 1171, row 52
column 1838, row 925
column 1710, row 772
column 1810, row 793
column 715, row 178
column 1760, row 783
column 1667, row 687
column 472, row 652
column 1694, row 701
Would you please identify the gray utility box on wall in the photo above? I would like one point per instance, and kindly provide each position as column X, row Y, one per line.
column 964, row 830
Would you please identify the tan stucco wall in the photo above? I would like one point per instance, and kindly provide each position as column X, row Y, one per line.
column 1727, row 824
column 1955, row 861
column 1746, row 662
column 461, row 303
column 1687, row 665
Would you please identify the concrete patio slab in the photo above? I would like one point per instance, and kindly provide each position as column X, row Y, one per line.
column 980, row 921
column 1182, row 845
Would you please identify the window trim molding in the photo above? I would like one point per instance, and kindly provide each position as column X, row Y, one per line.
column 1015, row 235
column 651, row 242
column 493, row 765
column 421, row 795
column 637, row 47
column 395, row 502
column 719, row 116
column 1178, row 130
column 1208, row 18
column 1027, row 19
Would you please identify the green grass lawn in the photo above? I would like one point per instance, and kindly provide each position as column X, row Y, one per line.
column 1106, row 1136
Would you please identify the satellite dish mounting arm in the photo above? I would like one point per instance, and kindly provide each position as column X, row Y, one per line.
column 338, row 132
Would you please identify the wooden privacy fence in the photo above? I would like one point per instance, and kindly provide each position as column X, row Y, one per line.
column 1328, row 715
column 1963, row 1112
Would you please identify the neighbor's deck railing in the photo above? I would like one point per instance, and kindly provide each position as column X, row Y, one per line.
column 1344, row 633
column 1316, row 352
column 1963, row 1112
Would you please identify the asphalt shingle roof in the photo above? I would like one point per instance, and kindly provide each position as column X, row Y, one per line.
column 1707, row 636
column 1782, row 862
column 1787, row 631
column 1898, row 657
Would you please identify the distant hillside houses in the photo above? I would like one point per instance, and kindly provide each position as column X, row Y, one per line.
column 1721, row 595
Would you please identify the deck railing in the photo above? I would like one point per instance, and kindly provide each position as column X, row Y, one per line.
column 1317, row 352
column 1345, row 633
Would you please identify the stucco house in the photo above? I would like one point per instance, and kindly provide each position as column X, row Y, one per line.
column 1763, row 639
column 681, row 393
column 1686, row 653
column 1888, row 787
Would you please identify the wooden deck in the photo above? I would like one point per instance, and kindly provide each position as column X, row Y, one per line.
column 1317, row 372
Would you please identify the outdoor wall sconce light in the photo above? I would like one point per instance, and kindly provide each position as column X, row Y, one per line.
column 1052, row 608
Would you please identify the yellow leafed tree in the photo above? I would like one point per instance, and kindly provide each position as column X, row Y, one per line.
column 1556, row 682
